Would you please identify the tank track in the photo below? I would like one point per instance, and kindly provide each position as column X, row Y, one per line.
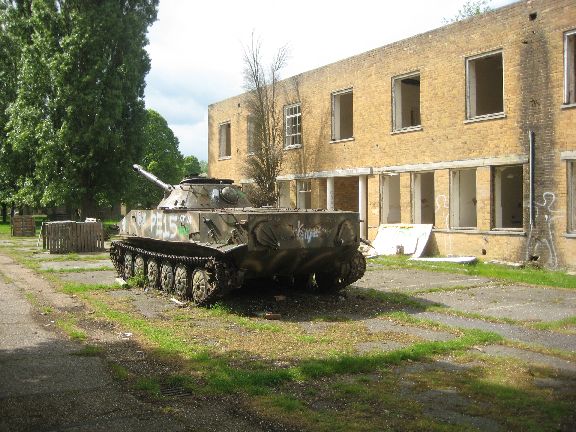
column 201, row 280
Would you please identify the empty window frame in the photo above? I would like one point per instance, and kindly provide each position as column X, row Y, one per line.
column 572, row 196
column 284, row 194
column 225, row 140
column 389, row 199
column 304, row 197
column 292, row 126
column 570, row 67
column 342, row 115
column 423, row 198
column 508, row 195
column 406, row 101
column 484, row 85
column 463, row 198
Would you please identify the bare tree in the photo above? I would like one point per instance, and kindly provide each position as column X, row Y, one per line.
column 264, row 162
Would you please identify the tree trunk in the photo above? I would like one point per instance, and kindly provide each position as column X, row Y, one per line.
column 4, row 213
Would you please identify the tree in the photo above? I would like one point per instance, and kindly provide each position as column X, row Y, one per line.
column 262, row 100
column 469, row 9
column 191, row 165
column 79, row 111
column 161, row 157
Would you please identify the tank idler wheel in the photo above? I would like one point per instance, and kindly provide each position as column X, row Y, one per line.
column 182, row 282
column 167, row 277
column 139, row 266
column 152, row 274
column 357, row 267
column 202, row 287
column 128, row 266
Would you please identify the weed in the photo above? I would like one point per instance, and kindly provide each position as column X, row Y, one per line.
column 149, row 385
column 77, row 288
column 68, row 326
column 89, row 351
column 119, row 371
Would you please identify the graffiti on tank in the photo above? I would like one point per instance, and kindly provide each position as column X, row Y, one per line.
column 308, row 234
column 543, row 240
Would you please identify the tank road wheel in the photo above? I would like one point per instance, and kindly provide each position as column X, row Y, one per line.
column 302, row 282
column 182, row 281
column 329, row 282
column 128, row 266
column 153, row 274
column 202, row 287
column 357, row 267
column 139, row 266
column 167, row 277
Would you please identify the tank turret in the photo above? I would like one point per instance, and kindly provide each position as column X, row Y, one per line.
column 205, row 239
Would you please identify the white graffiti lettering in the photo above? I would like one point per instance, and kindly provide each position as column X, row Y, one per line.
column 308, row 234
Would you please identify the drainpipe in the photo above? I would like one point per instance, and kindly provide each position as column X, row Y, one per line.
column 531, row 161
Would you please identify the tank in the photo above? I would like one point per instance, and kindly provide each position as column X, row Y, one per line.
column 206, row 239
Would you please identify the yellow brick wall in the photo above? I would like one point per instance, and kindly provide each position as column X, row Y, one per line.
column 533, row 56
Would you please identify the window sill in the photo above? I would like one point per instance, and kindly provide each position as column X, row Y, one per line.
column 406, row 130
column 485, row 117
column 224, row 158
column 293, row 147
column 341, row 140
column 568, row 106
column 571, row 235
column 473, row 231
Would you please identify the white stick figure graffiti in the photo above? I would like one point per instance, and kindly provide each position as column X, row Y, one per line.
column 540, row 234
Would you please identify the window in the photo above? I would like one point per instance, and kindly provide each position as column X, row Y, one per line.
column 284, row 194
column 423, row 203
column 342, row 115
column 484, row 85
column 304, row 197
column 572, row 196
column 570, row 67
column 463, row 198
column 406, row 102
column 389, row 199
column 225, row 140
column 293, row 126
column 508, row 196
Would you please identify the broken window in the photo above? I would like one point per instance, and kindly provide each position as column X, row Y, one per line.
column 406, row 101
column 508, row 196
column 293, row 126
column 570, row 67
column 485, row 85
column 389, row 199
column 463, row 198
column 284, row 194
column 572, row 196
column 225, row 140
column 304, row 197
column 342, row 115
column 423, row 204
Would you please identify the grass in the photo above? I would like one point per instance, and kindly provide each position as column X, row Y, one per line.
column 528, row 275
column 79, row 288
column 69, row 326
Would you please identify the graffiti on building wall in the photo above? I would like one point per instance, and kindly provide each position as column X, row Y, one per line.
column 540, row 234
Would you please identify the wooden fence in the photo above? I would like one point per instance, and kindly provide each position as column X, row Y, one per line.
column 23, row 226
column 68, row 236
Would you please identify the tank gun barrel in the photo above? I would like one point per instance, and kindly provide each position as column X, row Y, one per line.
column 152, row 178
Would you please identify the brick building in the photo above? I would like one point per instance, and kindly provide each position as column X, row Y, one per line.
column 470, row 127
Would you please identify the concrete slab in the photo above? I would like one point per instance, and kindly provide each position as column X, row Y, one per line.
column 525, row 303
column 76, row 264
column 530, row 357
column 410, row 280
column 105, row 277
column 381, row 325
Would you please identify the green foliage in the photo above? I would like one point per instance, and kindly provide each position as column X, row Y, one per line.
column 160, row 156
column 469, row 9
column 76, row 121
column 191, row 165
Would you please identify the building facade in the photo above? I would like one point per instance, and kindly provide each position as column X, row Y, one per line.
column 470, row 127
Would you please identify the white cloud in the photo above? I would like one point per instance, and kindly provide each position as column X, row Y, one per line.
column 196, row 47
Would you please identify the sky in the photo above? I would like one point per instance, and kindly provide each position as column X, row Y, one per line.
column 196, row 47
